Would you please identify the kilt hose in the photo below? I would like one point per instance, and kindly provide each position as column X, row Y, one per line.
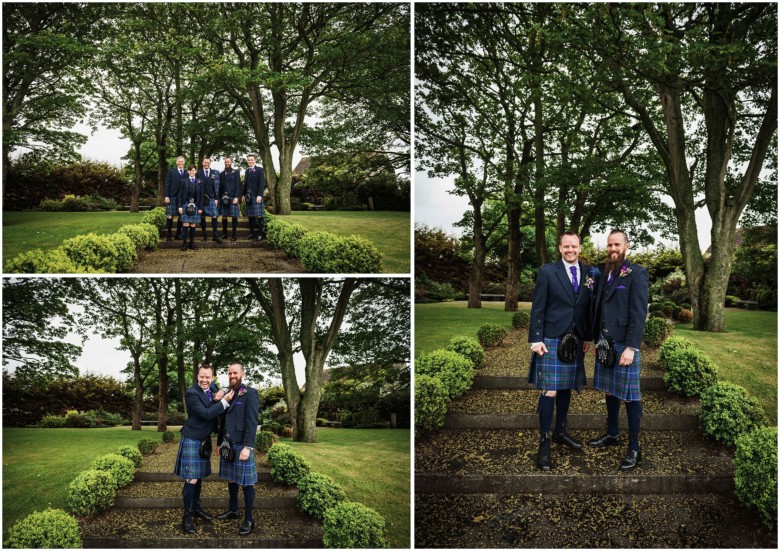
column 622, row 382
column 255, row 209
column 231, row 210
column 210, row 209
column 243, row 473
column 189, row 463
column 172, row 209
column 191, row 218
column 548, row 372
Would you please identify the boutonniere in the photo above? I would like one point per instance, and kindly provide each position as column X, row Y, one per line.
column 624, row 271
column 242, row 390
column 589, row 283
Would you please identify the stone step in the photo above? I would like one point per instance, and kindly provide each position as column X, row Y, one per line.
column 581, row 421
column 536, row 520
column 517, row 382
column 161, row 528
column 163, row 495
column 261, row 502
column 211, row 244
column 263, row 475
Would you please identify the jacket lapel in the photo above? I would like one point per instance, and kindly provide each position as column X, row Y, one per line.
column 563, row 277
column 616, row 281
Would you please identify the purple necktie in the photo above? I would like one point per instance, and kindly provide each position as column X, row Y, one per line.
column 575, row 285
column 208, row 395
column 181, row 173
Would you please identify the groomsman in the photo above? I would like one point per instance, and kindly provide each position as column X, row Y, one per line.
column 190, row 193
column 229, row 191
column 210, row 179
column 172, row 180
column 254, row 187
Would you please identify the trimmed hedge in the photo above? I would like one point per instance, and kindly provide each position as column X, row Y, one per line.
column 285, row 235
column 169, row 436
column 684, row 316
column 324, row 252
column 689, row 371
column 147, row 445
column 132, row 454
column 430, row 403
column 351, row 525
column 107, row 253
column 729, row 411
column 317, row 493
column 491, row 334
column 454, row 371
column 92, row 491
column 53, row 261
column 143, row 236
column 672, row 344
column 468, row 348
column 287, row 465
column 656, row 330
column 755, row 472
column 264, row 440
column 121, row 467
column 521, row 320
column 156, row 217
column 49, row 529
column 52, row 422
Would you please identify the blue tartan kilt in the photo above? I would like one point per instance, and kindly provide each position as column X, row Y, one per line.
column 255, row 209
column 172, row 209
column 548, row 372
column 189, row 463
column 211, row 209
column 243, row 473
column 191, row 218
column 620, row 381
column 231, row 210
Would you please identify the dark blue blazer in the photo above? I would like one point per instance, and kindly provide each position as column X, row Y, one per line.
column 200, row 413
column 211, row 187
column 621, row 306
column 555, row 308
column 172, row 180
column 254, row 182
column 241, row 418
column 230, row 183
column 188, row 190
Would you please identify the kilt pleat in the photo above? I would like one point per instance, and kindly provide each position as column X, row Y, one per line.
column 254, row 209
column 189, row 463
column 210, row 209
column 172, row 209
column 230, row 210
column 243, row 473
column 548, row 372
column 191, row 218
column 619, row 381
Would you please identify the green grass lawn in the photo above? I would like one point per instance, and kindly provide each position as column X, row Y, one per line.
column 38, row 464
column 746, row 354
column 387, row 230
column 373, row 467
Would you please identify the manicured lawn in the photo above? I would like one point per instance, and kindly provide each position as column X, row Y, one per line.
column 387, row 230
column 23, row 231
column 38, row 464
column 373, row 467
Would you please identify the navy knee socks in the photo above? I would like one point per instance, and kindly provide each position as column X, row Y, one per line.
column 249, row 501
column 613, row 412
column 562, row 401
column 546, row 406
column 233, row 491
column 188, row 492
column 169, row 225
column 634, row 412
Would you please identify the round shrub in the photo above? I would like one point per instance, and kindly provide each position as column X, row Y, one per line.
column 729, row 411
column 76, row 420
column 36, row 261
column 684, row 316
column 351, row 525
column 52, row 422
column 264, row 440
column 156, row 217
column 755, row 472
column 676, row 312
column 168, row 436
column 321, row 421
column 430, row 403
column 126, row 253
column 324, row 252
column 491, row 334
column 656, row 330
column 732, row 300
column 49, row 529
column 688, row 371
column 521, row 320
column 92, row 491
column 287, row 465
column 132, row 454
column 670, row 345
column 655, row 307
column 143, row 236
column 452, row 369
column 686, row 306
column 285, row 235
column 121, row 467
column 147, row 445
column 106, row 253
column 658, row 314
column 317, row 493
column 287, row 432
column 50, row 205
column 468, row 348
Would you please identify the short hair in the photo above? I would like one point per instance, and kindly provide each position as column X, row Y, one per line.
column 192, row 167
column 180, row 157
column 207, row 158
column 228, row 157
column 209, row 367
column 238, row 364
column 625, row 235
column 251, row 155
column 573, row 233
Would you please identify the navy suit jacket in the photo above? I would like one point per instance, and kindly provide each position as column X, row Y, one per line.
column 555, row 308
column 230, row 183
column 211, row 187
column 241, row 418
column 172, row 180
column 188, row 190
column 200, row 413
column 254, row 182
column 621, row 306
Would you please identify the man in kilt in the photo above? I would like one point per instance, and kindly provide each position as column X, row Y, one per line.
column 254, row 187
column 561, row 306
column 230, row 186
column 191, row 191
column 204, row 405
column 240, row 426
column 172, row 180
column 210, row 179
column 619, row 314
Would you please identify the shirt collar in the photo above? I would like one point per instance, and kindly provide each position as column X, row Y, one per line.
column 568, row 266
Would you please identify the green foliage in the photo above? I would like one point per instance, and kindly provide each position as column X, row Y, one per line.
column 71, row 203
column 264, row 440
column 285, row 235
column 169, row 436
column 470, row 348
column 49, row 529
column 50, row 205
column 656, row 331
column 521, row 320
column 453, row 370
column 287, row 465
column 147, row 445
column 317, row 493
column 321, row 421
column 97, row 252
column 52, row 422
column 101, row 418
column 155, row 217
column 77, row 420
column 491, row 334
column 92, row 491
column 132, row 454
column 430, row 403
column 121, row 467
column 427, row 290
column 755, row 472
column 689, row 371
column 351, row 525
column 53, row 261
column 126, row 253
column 729, row 411
column 684, row 316
column 732, row 300
column 324, row 252
column 672, row 344
column 143, row 236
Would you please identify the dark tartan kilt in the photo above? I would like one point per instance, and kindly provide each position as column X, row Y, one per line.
column 231, row 210
column 191, row 218
column 189, row 463
column 211, row 209
column 240, row 472
column 620, row 381
column 254, row 209
column 548, row 372
column 172, row 209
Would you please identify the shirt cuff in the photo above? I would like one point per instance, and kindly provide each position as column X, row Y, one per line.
column 224, row 403
column 533, row 344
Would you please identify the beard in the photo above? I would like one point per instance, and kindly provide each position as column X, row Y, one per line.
column 236, row 384
column 614, row 265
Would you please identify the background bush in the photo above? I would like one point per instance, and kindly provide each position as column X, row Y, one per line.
column 351, row 525
column 143, row 236
column 684, row 316
column 453, row 370
column 324, row 252
column 491, row 334
column 132, row 454
column 95, row 251
column 49, row 529
column 317, row 493
column 287, row 465
column 755, row 472
column 285, row 235
column 672, row 344
column 521, row 320
column 52, row 261
column 729, row 411
column 52, row 422
column 688, row 371
column 468, row 348
column 264, row 440
column 121, row 467
column 656, row 330
column 169, row 436
column 430, row 404
column 147, row 445
column 155, row 217
column 731, row 300
column 92, row 491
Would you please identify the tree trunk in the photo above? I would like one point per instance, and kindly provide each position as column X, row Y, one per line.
column 181, row 371
column 540, row 220
column 282, row 204
column 162, row 410
column 480, row 252
column 162, row 171
column 138, row 401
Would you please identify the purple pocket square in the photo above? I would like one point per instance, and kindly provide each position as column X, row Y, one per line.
column 238, row 403
column 621, row 287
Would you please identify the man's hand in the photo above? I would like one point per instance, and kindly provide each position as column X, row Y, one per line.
column 167, row 200
column 200, row 212
column 216, row 202
column 627, row 356
column 181, row 211
column 586, row 346
column 243, row 199
column 540, row 349
column 235, row 201
column 229, row 395
column 220, row 394
column 259, row 200
column 244, row 455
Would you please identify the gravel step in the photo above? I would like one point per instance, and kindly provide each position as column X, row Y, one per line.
column 162, row 495
column 587, row 521
column 161, row 528
column 210, row 244
column 263, row 475
column 261, row 502
column 586, row 421
column 652, row 383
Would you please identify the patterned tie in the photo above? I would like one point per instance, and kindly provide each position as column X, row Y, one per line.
column 192, row 180
column 181, row 173
column 207, row 174
column 575, row 285
column 208, row 394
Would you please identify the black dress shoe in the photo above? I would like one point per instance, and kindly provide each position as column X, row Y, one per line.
column 193, row 246
column 201, row 514
column 632, row 459
column 567, row 440
column 217, row 239
column 543, row 460
column 232, row 237
column 205, row 238
column 250, row 236
column 179, row 237
column 229, row 515
column 187, row 525
column 605, row 440
column 246, row 528
column 224, row 235
column 184, row 246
